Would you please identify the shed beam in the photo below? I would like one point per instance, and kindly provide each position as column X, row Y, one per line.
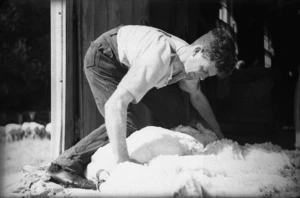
column 62, row 112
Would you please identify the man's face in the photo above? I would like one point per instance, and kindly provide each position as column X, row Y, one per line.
column 201, row 67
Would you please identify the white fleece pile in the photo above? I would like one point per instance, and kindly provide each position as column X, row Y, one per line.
column 176, row 164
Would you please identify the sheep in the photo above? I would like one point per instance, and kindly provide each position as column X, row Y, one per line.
column 49, row 130
column 13, row 132
column 26, row 129
column 40, row 131
column 33, row 130
column 2, row 133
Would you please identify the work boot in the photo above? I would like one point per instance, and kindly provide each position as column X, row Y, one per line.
column 61, row 176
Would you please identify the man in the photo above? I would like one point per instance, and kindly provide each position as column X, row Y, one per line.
column 123, row 66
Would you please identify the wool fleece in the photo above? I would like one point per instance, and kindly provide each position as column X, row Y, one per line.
column 187, row 161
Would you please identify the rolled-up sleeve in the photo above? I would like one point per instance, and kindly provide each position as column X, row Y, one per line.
column 150, row 69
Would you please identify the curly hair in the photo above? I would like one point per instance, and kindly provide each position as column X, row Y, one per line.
column 218, row 46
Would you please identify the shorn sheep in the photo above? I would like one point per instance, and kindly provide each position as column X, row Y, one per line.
column 49, row 130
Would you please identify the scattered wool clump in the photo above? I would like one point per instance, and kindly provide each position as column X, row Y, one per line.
column 178, row 165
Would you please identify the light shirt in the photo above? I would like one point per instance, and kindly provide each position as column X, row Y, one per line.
column 148, row 53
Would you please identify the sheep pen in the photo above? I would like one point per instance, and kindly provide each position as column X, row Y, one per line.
column 180, row 163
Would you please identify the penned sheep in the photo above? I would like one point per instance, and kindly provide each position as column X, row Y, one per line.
column 34, row 130
column 49, row 130
column 13, row 132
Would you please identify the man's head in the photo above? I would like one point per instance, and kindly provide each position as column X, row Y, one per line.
column 216, row 49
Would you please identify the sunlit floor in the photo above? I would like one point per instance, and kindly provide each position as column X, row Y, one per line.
column 15, row 155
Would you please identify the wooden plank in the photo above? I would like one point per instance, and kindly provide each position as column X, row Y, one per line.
column 79, row 126
column 100, row 17
column 297, row 111
column 160, row 13
column 57, row 77
column 140, row 11
column 119, row 12
column 125, row 12
column 181, row 25
column 89, row 109
column 113, row 8
column 69, row 99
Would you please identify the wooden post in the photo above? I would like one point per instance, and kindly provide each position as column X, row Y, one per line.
column 62, row 100
column 268, row 47
column 297, row 111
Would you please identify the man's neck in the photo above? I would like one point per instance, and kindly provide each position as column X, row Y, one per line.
column 177, row 65
column 183, row 53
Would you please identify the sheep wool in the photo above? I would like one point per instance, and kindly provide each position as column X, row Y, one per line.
column 177, row 164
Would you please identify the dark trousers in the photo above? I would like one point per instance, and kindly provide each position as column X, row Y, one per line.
column 103, row 72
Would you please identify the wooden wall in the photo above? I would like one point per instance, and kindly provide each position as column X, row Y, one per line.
column 185, row 19
column 94, row 17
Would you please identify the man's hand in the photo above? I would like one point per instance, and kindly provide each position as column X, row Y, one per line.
column 103, row 175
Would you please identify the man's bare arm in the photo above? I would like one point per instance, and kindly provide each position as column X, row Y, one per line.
column 200, row 102
column 116, row 123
